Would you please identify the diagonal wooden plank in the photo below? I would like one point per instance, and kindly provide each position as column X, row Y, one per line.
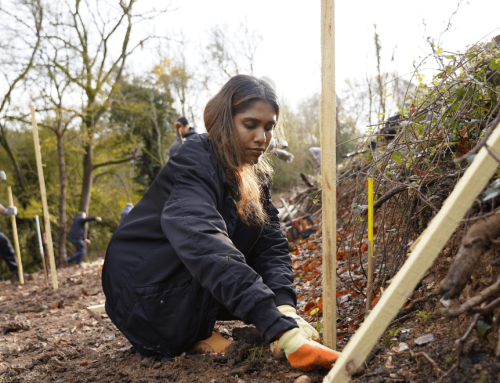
column 429, row 245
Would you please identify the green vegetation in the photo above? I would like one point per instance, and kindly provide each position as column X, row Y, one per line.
column 254, row 353
column 388, row 341
column 425, row 316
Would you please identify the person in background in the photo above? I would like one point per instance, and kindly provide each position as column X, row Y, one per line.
column 126, row 210
column 181, row 126
column 76, row 236
column 6, row 250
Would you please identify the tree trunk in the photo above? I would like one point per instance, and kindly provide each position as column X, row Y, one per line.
column 62, row 197
column 86, row 185
column 87, row 179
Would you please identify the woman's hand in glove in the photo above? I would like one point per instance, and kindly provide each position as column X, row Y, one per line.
column 309, row 331
column 304, row 354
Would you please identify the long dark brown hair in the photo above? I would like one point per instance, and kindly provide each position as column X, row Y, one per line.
column 238, row 95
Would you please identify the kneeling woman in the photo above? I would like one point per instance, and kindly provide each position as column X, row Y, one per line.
column 204, row 242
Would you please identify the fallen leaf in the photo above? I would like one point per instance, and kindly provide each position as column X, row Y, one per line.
column 308, row 306
column 84, row 364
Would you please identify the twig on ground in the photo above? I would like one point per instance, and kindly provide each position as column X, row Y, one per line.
column 414, row 302
column 488, row 308
column 415, row 356
column 481, row 297
column 97, row 317
column 447, row 373
column 460, row 342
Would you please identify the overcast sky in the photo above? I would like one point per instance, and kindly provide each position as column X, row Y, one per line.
column 290, row 52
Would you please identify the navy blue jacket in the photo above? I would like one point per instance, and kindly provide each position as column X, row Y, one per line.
column 177, row 144
column 175, row 259
column 78, row 227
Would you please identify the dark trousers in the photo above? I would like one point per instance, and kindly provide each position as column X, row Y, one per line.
column 7, row 253
column 77, row 257
column 144, row 327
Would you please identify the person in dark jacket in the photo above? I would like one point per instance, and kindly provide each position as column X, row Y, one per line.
column 204, row 243
column 77, row 236
column 128, row 207
column 181, row 125
column 6, row 250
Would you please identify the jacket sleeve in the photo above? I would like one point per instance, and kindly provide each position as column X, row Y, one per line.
column 89, row 219
column 198, row 234
column 273, row 261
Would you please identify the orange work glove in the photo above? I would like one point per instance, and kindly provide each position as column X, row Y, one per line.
column 304, row 354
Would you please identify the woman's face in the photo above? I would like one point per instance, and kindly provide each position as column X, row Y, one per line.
column 255, row 129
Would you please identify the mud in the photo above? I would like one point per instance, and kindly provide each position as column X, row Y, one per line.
column 48, row 336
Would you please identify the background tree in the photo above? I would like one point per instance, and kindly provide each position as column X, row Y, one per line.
column 84, row 35
column 58, row 119
column 228, row 51
column 18, row 51
column 149, row 116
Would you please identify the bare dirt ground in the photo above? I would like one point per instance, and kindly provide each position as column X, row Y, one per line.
column 49, row 336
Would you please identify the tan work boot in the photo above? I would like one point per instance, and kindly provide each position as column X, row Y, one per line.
column 216, row 344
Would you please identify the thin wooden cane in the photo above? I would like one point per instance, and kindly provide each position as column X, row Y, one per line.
column 430, row 244
column 328, row 171
column 369, row 285
column 40, row 243
column 16, row 240
column 45, row 207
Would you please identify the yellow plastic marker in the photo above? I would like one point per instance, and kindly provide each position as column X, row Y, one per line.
column 369, row 285
column 16, row 240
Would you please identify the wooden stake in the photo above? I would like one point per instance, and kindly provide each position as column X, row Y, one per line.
column 16, row 240
column 97, row 309
column 431, row 242
column 328, row 170
column 46, row 217
column 369, row 285
column 40, row 242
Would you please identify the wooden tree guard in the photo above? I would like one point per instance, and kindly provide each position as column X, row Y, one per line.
column 428, row 247
column 97, row 308
column 369, row 285
column 46, row 217
column 16, row 240
column 40, row 243
column 328, row 170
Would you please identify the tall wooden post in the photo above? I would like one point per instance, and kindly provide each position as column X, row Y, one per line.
column 328, row 171
column 46, row 217
column 16, row 240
